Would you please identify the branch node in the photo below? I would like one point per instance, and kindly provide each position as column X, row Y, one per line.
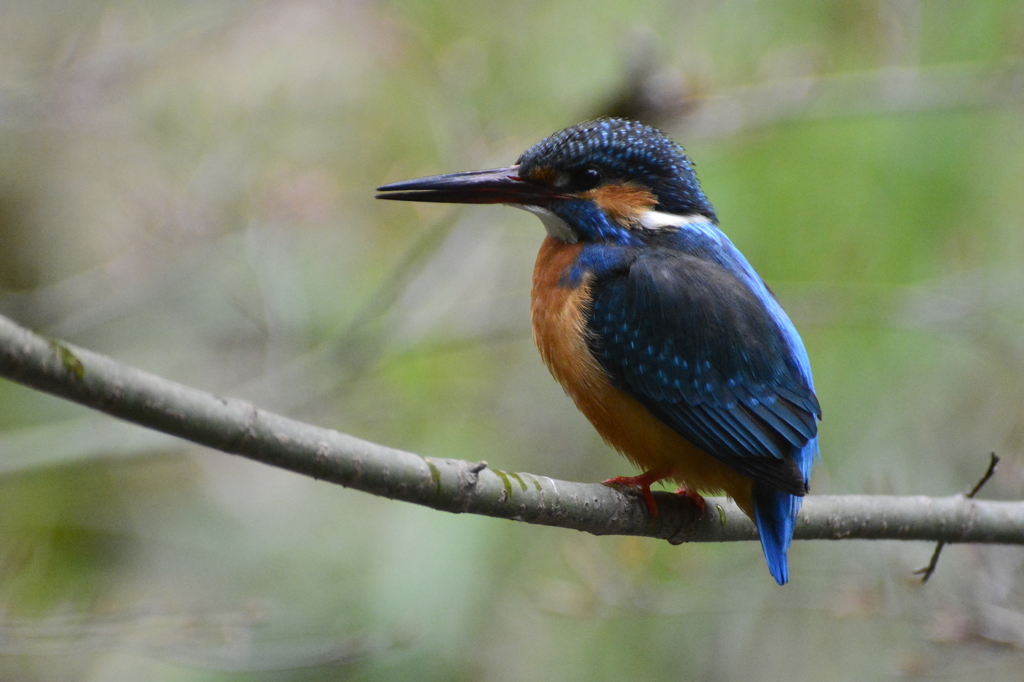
column 927, row 571
column 472, row 473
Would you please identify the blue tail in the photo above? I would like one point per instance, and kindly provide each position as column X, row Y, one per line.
column 775, row 515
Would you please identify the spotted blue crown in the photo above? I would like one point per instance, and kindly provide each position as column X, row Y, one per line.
column 626, row 150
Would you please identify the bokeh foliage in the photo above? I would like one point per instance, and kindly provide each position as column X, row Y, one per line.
column 187, row 186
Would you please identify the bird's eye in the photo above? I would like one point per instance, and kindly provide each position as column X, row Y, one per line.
column 586, row 178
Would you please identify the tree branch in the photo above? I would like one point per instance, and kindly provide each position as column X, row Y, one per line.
column 457, row 486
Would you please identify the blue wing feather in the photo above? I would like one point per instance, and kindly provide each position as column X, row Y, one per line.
column 687, row 328
column 692, row 342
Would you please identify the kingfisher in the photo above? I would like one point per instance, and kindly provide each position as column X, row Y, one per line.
column 655, row 325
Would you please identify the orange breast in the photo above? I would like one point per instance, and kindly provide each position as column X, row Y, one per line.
column 559, row 329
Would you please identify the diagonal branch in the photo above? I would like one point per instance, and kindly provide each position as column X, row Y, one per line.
column 457, row 486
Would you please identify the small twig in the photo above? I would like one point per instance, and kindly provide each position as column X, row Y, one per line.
column 984, row 479
column 927, row 571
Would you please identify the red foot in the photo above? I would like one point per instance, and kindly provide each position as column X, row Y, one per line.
column 644, row 481
column 693, row 496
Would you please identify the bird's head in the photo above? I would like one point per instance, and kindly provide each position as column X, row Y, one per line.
column 609, row 180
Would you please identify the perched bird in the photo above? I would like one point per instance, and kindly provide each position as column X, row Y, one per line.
column 654, row 323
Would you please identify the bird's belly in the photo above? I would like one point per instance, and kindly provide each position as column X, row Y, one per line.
column 559, row 313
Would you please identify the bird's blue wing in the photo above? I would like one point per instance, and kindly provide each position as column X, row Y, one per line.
column 683, row 331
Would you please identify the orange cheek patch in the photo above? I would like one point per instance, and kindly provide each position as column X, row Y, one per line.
column 623, row 203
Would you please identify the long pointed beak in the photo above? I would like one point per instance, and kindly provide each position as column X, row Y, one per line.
column 495, row 186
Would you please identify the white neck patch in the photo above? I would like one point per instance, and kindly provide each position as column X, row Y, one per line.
column 657, row 220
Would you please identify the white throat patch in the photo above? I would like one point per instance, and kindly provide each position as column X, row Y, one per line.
column 555, row 226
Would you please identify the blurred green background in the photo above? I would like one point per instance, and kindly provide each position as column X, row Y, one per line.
column 188, row 187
